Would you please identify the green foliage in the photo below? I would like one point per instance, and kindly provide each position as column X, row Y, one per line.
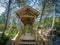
column 57, row 24
column 47, row 22
column 2, row 18
column 12, row 32
column 2, row 27
column 3, row 39
column 56, row 33
column 28, row 29
column 2, row 22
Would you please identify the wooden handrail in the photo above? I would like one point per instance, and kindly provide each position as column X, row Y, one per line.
column 34, row 33
column 42, row 37
column 16, row 39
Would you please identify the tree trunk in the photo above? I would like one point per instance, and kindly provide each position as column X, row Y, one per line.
column 10, row 1
column 43, row 7
column 53, row 21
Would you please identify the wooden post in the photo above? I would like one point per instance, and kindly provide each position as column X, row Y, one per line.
column 12, row 42
column 16, row 41
column 24, row 31
column 31, row 28
column 41, row 42
column 46, row 42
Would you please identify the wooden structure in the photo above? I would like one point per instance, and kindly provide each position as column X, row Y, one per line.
column 27, row 14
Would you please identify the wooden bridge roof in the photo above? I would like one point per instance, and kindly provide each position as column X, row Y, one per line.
column 27, row 14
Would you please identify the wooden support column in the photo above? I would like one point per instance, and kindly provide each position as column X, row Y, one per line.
column 24, row 30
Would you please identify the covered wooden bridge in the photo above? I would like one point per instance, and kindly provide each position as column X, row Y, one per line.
column 28, row 15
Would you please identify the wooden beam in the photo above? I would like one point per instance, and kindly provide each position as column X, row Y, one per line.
column 30, row 13
column 23, row 13
column 26, row 16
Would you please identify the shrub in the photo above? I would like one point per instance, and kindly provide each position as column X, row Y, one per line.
column 2, row 27
column 3, row 39
column 11, row 33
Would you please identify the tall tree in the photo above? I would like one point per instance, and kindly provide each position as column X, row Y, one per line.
column 53, row 22
column 8, row 11
column 43, row 7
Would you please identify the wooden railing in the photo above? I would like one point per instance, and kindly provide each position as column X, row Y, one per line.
column 34, row 33
column 40, row 37
column 43, row 37
column 16, row 39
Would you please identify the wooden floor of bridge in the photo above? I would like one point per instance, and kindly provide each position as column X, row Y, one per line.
column 28, row 39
